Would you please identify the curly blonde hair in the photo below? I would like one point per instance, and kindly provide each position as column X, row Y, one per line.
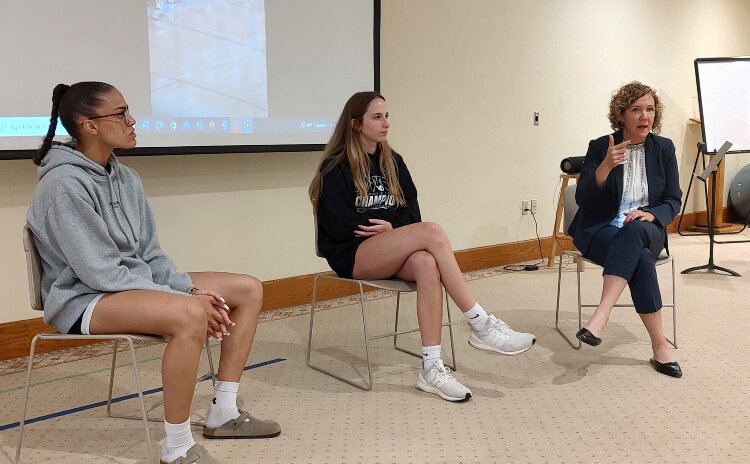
column 625, row 96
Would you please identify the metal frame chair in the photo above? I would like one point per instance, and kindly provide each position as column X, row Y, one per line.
column 34, row 269
column 395, row 285
column 570, row 209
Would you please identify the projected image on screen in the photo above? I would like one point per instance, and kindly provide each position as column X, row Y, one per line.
column 208, row 60
column 199, row 76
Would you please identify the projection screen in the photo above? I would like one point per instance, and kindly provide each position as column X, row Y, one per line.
column 199, row 76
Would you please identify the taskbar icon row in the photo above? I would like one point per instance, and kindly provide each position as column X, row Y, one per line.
column 196, row 125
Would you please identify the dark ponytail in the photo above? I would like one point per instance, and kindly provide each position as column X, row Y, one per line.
column 71, row 103
column 57, row 94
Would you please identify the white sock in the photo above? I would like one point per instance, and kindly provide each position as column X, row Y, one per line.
column 477, row 317
column 430, row 354
column 223, row 407
column 178, row 441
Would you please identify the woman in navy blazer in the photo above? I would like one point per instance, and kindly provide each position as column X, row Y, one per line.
column 628, row 193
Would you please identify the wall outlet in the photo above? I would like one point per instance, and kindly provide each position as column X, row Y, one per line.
column 524, row 207
column 533, row 206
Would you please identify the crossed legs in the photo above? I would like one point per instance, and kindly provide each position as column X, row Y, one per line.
column 422, row 253
column 628, row 257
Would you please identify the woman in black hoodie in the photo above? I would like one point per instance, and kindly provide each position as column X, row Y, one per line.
column 369, row 227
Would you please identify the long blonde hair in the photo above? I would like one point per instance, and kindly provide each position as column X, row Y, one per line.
column 346, row 145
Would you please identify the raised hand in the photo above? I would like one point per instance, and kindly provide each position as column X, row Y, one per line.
column 616, row 153
column 615, row 156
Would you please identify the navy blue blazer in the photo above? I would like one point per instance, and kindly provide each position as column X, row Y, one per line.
column 598, row 206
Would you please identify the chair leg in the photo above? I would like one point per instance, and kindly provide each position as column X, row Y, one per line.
column 673, row 342
column 395, row 327
column 367, row 384
column 557, row 309
column 115, row 344
column 579, row 269
column 450, row 333
column 144, row 412
column 211, row 369
column 140, row 398
column 580, row 305
column 312, row 317
column 367, row 338
column 395, row 331
column 25, row 398
column 674, row 305
column 211, row 374
column 363, row 385
column 448, row 324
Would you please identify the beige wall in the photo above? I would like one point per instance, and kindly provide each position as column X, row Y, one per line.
column 462, row 79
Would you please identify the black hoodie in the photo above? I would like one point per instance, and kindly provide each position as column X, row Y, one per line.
column 339, row 212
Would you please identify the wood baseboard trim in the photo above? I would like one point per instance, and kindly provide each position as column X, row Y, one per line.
column 15, row 336
column 699, row 217
column 15, row 339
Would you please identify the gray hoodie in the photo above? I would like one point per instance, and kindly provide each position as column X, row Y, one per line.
column 96, row 234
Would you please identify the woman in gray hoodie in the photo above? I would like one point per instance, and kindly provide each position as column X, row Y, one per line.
column 104, row 271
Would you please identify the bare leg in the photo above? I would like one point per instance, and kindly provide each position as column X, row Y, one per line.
column 383, row 255
column 159, row 313
column 244, row 296
column 421, row 268
column 612, row 288
column 659, row 344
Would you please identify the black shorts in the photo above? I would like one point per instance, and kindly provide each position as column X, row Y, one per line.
column 75, row 329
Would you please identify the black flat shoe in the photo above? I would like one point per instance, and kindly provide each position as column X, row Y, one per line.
column 671, row 369
column 588, row 338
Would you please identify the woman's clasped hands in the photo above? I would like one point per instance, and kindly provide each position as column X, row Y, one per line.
column 216, row 312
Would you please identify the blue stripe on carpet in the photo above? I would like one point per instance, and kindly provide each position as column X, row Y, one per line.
column 118, row 399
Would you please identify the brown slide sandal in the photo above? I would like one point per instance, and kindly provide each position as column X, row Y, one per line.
column 245, row 426
column 196, row 454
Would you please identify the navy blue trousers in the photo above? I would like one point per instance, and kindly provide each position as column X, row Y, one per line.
column 631, row 253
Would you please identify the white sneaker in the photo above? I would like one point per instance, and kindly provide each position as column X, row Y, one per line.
column 499, row 337
column 439, row 380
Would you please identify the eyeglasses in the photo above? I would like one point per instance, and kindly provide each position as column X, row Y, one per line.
column 123, row 115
